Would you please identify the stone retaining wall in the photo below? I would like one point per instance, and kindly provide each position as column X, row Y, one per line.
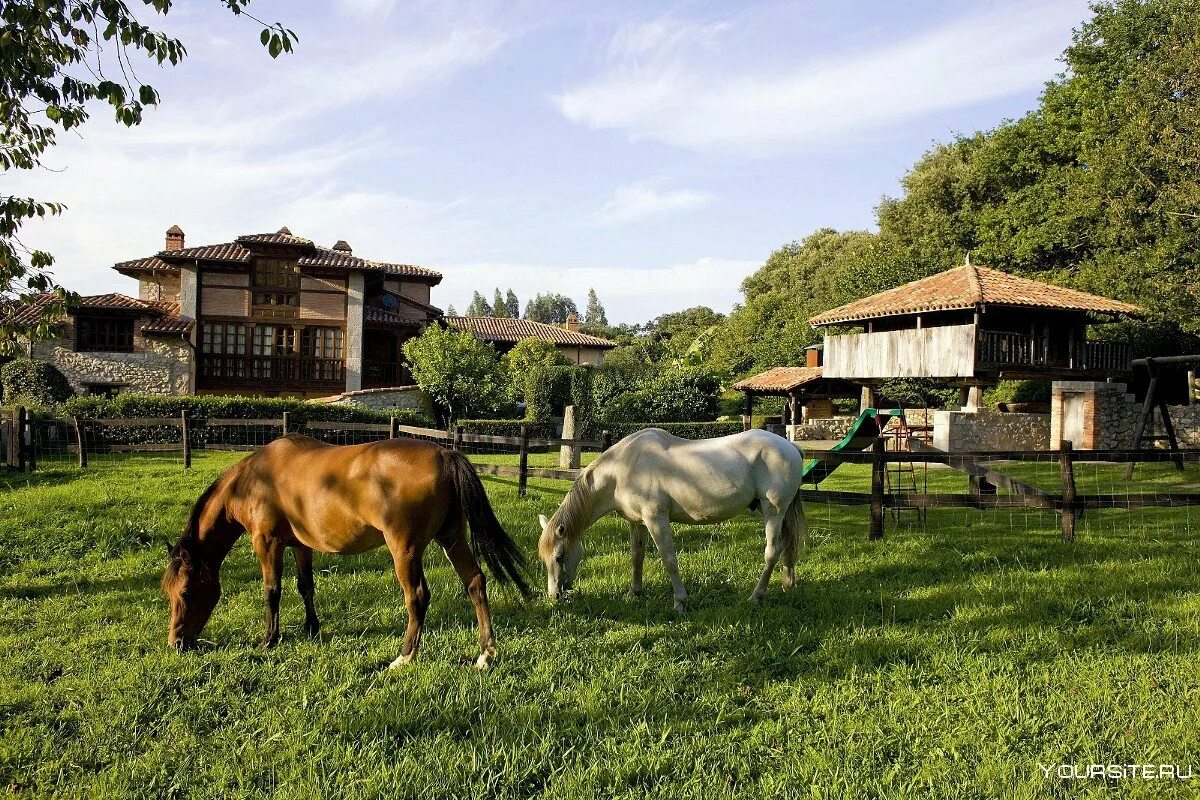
column 160, row 366
column 965, row 431
column 408, row 398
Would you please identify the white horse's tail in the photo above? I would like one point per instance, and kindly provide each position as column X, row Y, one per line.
column 795, row 533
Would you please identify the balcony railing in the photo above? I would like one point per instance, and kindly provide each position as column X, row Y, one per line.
column 270, row 372
column 382, row 374
column 1007, row 349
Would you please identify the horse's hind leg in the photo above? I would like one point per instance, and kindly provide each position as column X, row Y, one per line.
column 270, row 558
column 411, row 575
column 475, row 583
column 304, row 584
column 773, row 523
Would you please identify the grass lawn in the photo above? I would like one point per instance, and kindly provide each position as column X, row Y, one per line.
column 949, row 660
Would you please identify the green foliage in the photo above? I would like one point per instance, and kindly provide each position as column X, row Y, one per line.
column 546, row 429
column 479, row 306
column 624, row 369
column 38, row 384
column 551, row 308
column 525, row 358
column 60, row 58
column 594, row 315
column 128, row 406
column 461, row 374
column 547, row 391
column 1018, row 392
column 681, row 394
column 916, row 393
column 684, row 430
column 499, row 309
column 512, row 306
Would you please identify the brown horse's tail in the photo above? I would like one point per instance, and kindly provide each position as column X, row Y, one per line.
column 488, row 538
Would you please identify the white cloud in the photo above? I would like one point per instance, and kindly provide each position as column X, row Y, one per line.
column 640, row 201
column 370, row 9
column 629, row 294
column 678, row 83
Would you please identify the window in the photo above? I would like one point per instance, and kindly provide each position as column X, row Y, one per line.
column 272, row 347
column 324, row 344
column 276, row 283
column 109, row 334
column 223, row 345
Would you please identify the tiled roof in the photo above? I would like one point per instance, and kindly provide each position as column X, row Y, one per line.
column 226, row 251
column 164, row 314
column 969, row 286
column 114, row 300
column 142, row 265
column 503, row 329
column 31, row 313
column 237, row 252
column 168, row 325
column 779, row 379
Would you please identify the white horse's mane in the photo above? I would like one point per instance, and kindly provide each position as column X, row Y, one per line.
column 575, row 511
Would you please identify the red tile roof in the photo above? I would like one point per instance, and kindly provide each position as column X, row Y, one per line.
column 238, row 252
column 779, row 379
column 31, row 313
column 385, row 317
column 503, row 329
column 970, row 286
column 164, row 314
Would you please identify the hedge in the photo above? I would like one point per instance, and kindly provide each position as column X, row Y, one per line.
column 33, row 383
column 684, row 430
column 510, row 427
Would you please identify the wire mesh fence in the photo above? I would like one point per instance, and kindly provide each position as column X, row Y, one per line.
column 1139, row 492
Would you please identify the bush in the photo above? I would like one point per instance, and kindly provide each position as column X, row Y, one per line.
column 915, row 393
column 1019, row 392
column 682, row 394
column 509, row 427
column 524, row 359
column 34, row 383
column 460, row 373
column 547, row 391
column 685, row 430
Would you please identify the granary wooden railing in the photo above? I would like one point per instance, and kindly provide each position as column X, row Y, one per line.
column 1009, row 349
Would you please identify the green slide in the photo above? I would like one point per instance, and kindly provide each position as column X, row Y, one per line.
column 862, row 433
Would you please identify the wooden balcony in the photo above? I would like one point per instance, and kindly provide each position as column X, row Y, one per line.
column 385, row 374
column 964, row 351
column 269, row 373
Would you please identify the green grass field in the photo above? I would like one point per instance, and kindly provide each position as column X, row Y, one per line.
column 949, row 660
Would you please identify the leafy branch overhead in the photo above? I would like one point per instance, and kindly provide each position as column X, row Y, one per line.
column 56, row 58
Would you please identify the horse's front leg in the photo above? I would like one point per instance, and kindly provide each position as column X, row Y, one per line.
column 270, row 558
column 660, row 532
column 773, row 524
column 637, row 547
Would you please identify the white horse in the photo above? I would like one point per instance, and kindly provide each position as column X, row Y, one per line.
column 652, row 479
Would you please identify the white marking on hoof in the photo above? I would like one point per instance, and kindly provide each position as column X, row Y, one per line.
column 484, row 662
column 403, row 661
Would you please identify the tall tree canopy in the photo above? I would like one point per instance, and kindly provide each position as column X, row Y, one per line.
column 479, row 306
column 512, row 306
column 550, row 308
column 499, row 308
column 57, row 56
column 594, row 314
column 1097, row 188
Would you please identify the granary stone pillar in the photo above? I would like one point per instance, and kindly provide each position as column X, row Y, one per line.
column 1092, row 415
column 355, row 292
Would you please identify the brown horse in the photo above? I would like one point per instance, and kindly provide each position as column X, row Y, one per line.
column 300, row 493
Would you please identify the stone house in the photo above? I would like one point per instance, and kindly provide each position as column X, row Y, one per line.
column 265, row 314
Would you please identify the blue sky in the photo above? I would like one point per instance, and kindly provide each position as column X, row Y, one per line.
column 656, row 151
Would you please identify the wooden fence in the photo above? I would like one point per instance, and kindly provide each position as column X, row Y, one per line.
column 22, row 442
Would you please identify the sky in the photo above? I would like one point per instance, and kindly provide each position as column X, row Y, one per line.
column 657, row 152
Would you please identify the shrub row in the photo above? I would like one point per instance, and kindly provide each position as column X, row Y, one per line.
column 684, row 430
column 33, row 383
column 547, row 429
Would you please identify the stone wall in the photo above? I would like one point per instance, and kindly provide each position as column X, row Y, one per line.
column 1092, row 415
column 968, row 431
column 157, row 365
column 409, row 398
column 822, row 429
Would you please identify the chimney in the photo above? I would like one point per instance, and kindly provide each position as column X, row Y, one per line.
column 343, row 246
column 284, row 231
column 812, row 355
column 573, row 322
column 174, row 238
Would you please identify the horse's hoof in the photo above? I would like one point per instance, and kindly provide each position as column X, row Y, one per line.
column 403, row 661
column 634, row 593
column 313, row 630
column 680, row 607
column 756, row 598
column 270, row 642
column 484, row 662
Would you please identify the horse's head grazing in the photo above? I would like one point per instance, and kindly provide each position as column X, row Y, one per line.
column 193, row 589
column 561, row 553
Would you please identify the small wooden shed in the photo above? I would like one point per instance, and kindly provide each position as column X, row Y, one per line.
column 809, row 394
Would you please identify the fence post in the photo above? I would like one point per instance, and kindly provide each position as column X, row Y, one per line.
column 79, row 442
column 523, row 463
column 458, row 438
column 878, row 465
column 605, row 440
column 186, row 437
column 30, row 432
column 1066, row 472
column 393, row 428
column 287, row 424
column 18, row 436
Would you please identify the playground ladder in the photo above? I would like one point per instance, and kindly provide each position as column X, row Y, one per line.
column 902, row 475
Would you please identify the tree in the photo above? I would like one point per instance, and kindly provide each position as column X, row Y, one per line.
column 551, row 308
column 525, row 357
column 479, row 307
column 459, row 372
column 511, row 305
column 450, row 312
column 56, row 59
column 594, row 315
column 499, row 308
